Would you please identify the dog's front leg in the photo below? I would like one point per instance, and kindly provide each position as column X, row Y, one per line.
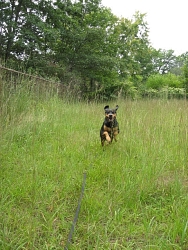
column 108, row 139
column 115, row 133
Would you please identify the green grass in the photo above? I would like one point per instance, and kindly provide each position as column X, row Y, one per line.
column 136, row 194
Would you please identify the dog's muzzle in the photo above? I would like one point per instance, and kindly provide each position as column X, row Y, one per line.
column 110, row 117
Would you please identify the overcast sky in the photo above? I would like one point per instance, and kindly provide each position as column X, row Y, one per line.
column 167, row 20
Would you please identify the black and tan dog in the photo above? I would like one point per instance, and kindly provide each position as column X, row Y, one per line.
column 110, row 127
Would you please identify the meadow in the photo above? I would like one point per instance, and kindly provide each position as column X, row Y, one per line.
column 136, row 191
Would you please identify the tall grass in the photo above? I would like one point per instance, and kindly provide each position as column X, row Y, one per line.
column 136, row 189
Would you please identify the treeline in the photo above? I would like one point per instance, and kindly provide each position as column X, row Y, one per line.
column 82, row 44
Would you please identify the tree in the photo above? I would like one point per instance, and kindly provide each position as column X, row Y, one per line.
column 24, row 32
column 185, row 73
column 85, row 43
column 83, row 39
column 163, row 60
column 134, row 48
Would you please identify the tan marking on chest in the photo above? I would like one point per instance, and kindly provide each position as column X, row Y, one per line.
column 107, row 128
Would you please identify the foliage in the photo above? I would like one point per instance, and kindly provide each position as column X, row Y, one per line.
column 133, row 47
column 83, row 38
column 62, row 39
column 165, row 93
column 158, row 81
column 185, row 72
column 163, row 60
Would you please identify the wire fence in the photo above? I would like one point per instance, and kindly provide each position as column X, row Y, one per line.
column 12, row 79
column 19, row 73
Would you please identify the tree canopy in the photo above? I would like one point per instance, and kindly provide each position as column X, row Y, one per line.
column 80, row 38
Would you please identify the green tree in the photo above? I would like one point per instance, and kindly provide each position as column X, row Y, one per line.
column 159, row 81
column 185, row 72
column 163, row 60
column 84, row 43
column 134, row 48
column 84, row 39
column 24, row 30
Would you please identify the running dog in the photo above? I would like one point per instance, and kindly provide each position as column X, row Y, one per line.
column 110, row 127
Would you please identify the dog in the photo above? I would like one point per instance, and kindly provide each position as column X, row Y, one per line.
column 110, row 127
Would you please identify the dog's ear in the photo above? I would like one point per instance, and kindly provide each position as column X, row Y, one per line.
column 106, row 107
column 116, row 107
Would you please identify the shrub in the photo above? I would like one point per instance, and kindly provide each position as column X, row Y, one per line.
column 159, row 81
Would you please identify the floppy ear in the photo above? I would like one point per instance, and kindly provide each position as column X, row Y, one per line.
column 106, row 107
column 116, row 107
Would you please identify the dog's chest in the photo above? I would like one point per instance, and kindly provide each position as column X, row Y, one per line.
column 106, row 128
column 109, row 127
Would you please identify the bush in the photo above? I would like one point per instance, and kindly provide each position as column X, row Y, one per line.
column 159, row 81
column 165, row 93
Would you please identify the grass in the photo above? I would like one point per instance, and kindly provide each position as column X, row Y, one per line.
column 136, row 193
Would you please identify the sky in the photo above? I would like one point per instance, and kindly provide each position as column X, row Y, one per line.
column 167, row 20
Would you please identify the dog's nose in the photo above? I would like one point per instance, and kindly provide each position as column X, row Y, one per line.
column 110, row 116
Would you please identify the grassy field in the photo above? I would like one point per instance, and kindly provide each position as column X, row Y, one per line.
column 136, row 193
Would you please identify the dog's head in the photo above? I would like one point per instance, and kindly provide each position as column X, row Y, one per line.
column 110, row 114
